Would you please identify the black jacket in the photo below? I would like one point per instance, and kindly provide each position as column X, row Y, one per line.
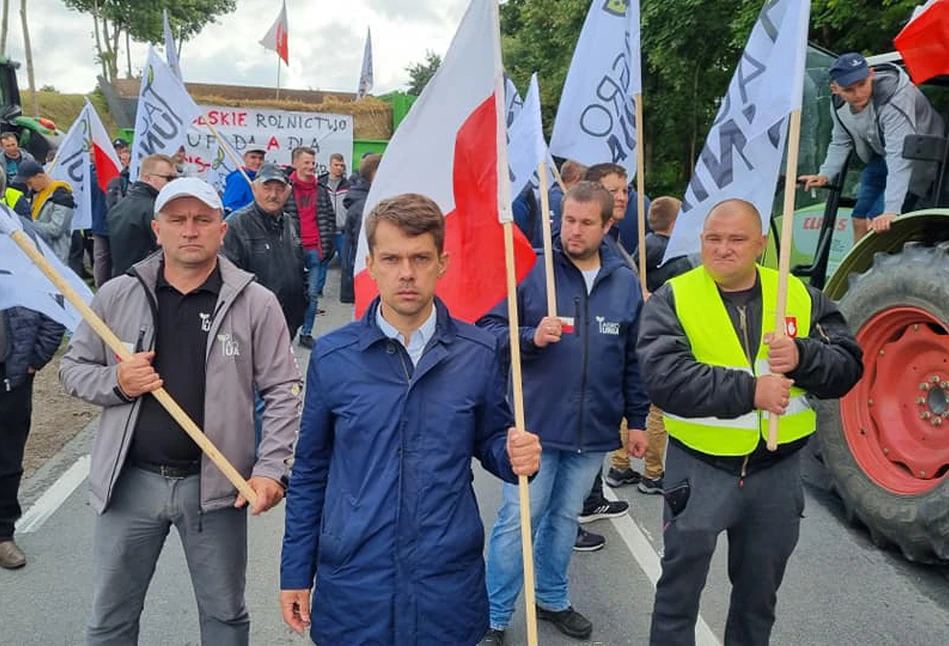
column 32, row 340
column 355, row 202
column 117, row 188
column 325, row 218
column 830, row 365
column 269, row 247
column 131, row 238
column 657, row 276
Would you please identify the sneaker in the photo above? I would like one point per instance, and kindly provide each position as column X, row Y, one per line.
column 607, row 509
column 569, row 622
column 650, row 485
column 494, row 637
column 588, row 542
column 11, row 556
column 306, row 341
column 619, row 477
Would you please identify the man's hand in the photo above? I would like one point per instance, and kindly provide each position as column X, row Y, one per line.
column 783, row 355
column 881, row 223
column 548, row 331
column 136, row 375
column 773, row 393
column 524, row 451
column 637, row 442
column 295, row 605
column 269, row 493
column 813, row 181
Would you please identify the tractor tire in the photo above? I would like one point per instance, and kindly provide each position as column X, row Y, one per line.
column 884, row 444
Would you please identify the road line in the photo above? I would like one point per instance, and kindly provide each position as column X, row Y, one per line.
column 54, row 497
column 648, row 559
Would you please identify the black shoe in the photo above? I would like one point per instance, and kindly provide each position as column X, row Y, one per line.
column 494, row 637
column 320, row 312
column 607, row 509
column 306, row 341
column 569, row 622
column 619, row 477
column 650, row 485
column 588, row 542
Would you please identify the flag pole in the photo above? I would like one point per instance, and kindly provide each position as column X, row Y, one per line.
column 278, row 76
column 124, row 354
column 559, row 179
column 227, row 150
column 548, row 240
column 784, row 255
column 641, row 191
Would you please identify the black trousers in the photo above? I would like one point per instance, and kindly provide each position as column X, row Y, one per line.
column 16, row 408
column 761, row 518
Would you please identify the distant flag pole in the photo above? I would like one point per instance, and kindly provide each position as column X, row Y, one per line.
column 365, row 76
column 171, row 51
column 276, row 40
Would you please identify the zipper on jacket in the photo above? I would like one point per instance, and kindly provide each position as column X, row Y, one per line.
column 744, row 471
column 576, row 313
column 743, row 324
column 583, row 371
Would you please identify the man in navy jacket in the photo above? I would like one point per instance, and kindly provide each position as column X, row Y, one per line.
column 381, row 511
column 581, row 377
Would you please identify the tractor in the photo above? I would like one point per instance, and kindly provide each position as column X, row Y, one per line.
column 885, row 445
column 37, row 136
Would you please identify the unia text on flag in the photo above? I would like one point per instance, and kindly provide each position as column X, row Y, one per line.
column 72, row 166
column 596, row 119
column 365, row 76
column 164, row 113
column 745, row 146
column 924, row 42
column 447, row 149
column 276, row 38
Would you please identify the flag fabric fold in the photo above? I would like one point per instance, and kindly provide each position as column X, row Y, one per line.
column 276, row 38
column 596, row 119
column 512, row 101
column 449, row 148
column 171, row 52
column 924, row 42
column 365, row 76
column 526, row 145
column 744, row 149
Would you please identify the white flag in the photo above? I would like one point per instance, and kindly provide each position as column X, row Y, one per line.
column 512, row 101
column 72, row 167
column 365, row 77
column 164, row 113
column 171, row 53
column 743, row 153
column 596, row 120
column 526, row 146
column 22, row 284
column 222, row 165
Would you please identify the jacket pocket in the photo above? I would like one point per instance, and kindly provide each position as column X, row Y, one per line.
column 339, row 538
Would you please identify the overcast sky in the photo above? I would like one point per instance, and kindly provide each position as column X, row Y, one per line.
column 325, row 41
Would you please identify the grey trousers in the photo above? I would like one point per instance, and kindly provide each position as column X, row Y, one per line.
column 762, row 520
column 101, row 259
column 128, row 539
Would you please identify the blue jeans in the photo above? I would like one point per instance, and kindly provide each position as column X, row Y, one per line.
column 557, row 494
column 870, row 197
column 314, row 267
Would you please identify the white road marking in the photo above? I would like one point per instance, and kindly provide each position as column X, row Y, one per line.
column 648, row 559
column 53, row 497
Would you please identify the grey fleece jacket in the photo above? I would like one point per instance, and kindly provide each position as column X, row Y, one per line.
column 248, row 344
column 897, row 109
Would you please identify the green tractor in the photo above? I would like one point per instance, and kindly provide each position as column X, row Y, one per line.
column 886, row 444
column 37, row 135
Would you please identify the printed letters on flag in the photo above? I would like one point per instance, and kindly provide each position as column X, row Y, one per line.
column 448, row 149
column 596, row 120
column 744, row 150
column 526, row 145
column 512, row 101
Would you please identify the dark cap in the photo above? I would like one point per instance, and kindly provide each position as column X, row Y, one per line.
column 29, row 168
column 119, row 143
column 271, row 173
column 850, row 68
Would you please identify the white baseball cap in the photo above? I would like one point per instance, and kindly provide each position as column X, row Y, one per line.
column 188, row 187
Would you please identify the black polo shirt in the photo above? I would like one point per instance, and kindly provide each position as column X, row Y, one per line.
column 184, row 322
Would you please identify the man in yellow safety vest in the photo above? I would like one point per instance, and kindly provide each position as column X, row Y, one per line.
column 714, row 366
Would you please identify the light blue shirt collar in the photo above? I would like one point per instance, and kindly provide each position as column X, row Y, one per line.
column 419, row 339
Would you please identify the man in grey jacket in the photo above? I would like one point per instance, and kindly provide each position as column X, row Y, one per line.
column 207, row 332
column 874, row 110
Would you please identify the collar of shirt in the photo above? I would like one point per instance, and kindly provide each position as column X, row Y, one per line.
column 212, row 284
column 419, row 339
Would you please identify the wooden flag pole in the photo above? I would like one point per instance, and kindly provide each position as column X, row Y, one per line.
column 641, row 192
column 124, row 354
column 784, row 255
column 278, row 76
column 227, row 150
column 548, row 240
column 559, row 179
column 527, row 548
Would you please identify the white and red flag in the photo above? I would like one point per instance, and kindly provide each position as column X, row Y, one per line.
column 276, row 38
column 452, row 147
column 924, row 42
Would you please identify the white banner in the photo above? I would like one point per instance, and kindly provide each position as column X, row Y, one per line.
column 171, row 51
column 743, row 153
column 596, row 120
column 277, row 131
column 72, row 167
column 526, row 147
column 512, row 101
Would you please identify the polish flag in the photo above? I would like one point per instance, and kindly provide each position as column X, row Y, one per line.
column 103, row 154
column 924, row 42
column 276, row 38
column 452, row 147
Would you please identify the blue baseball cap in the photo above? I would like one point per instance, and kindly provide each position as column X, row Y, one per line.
column 848, row 69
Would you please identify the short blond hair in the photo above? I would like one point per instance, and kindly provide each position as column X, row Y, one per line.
column 663, row 213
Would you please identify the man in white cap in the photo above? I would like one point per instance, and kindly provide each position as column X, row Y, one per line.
column 207, row 333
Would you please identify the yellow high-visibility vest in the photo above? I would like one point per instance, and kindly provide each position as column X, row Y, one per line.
column 11, row 196
column 715, row 342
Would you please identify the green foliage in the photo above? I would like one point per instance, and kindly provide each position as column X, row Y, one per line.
column 421, row 73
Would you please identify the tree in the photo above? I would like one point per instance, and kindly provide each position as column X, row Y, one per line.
column 421, row 73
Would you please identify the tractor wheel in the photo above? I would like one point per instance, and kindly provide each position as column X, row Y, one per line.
column 886, row 444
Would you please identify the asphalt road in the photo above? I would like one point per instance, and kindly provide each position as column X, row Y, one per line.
column 839, row 589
